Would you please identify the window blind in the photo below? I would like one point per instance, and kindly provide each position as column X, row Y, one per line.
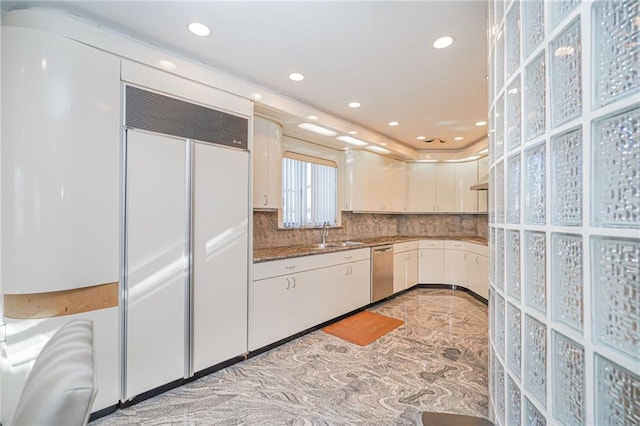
column 310, row 191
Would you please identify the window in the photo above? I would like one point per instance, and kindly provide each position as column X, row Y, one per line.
column 309, row 190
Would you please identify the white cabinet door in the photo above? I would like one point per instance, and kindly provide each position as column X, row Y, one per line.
column 483, row 170
column 431, row 266
column 399, row 271
column 399, row 193
column 156, row 261
column 455, row 267
column 445, row 187
column 478, row 269
column 386, row 183
column 421, row 188
column 466, row 175
column 364, row 181
column 220, row 257
column 308, row 291
column 267, row 168
column 270, row 306
column 412, row 268
column 356, row 291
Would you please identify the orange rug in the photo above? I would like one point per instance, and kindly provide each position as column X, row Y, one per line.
column 363, row 327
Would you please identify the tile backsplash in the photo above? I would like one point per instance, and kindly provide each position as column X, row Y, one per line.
column 367, row 225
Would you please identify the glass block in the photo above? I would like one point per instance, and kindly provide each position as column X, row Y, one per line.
column 491, row 202
column 514, row 126
column 560, row 9
column 492, row 133
column 535, row 282
column 536, row 358
column 499, row 10
column 492, row 88
column 514, row 403
column 499, row 127
column 499, row 193
column 566, row 75
column 568, row 381
column 514, row 339
column 566, row 178
column 615, row 277
column 533, row 416
column 499, row 74
column 534, row 97
column 513, row 189
column 566, row 279
column 512, row 244
column 499, row 325
column 617, row 394
column 616, row 50
column 512, row 27
column 492, row 245
column 492, row 316
column 500, row 259
column 532, row 25
column 616, row 153
column 535, row 185
column 499, row 371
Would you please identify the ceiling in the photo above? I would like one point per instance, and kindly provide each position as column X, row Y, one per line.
column 378, row 53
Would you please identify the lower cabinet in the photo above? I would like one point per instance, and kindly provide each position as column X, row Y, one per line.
column 405, row 265
column 431, row 262
column 467, row 265
column 332, row 285
column 478, row 272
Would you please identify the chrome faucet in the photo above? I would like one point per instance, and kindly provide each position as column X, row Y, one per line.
column 325, row 232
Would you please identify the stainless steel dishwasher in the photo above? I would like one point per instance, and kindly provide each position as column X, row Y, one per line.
column 381, row 272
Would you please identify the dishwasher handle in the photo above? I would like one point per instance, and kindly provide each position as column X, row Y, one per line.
column 382, row 249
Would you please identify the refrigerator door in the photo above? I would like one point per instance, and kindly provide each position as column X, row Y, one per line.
column 156, row 261
column 220, row 254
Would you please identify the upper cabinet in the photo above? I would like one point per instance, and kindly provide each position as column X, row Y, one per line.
column 267, row 164
column 374, row 183
column 432, row 188
column 466, row 175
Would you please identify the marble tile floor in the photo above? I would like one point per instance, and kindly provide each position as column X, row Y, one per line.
column 435, row 361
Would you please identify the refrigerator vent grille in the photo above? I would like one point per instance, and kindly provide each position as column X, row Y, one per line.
column 162, row 114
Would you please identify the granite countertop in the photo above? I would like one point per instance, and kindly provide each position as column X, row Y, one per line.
column 276, row 253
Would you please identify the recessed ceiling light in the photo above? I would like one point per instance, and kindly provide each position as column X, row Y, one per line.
column 355, row 104
column 443, row 42
column 256, row 96
column 458, row 138
column 352, row 141
column 378, row 149
column 317, row 129
column 353, row 132
column 312, row 117
column 167, row 64
column 394, row 123
column 199, row 29
column 296, row 76
column 464, row 160
column 481, row 123
column 421, row 138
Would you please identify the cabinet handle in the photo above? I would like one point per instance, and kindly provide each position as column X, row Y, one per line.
column 266, row 199
column 434, row 208
column 465, row 256
column 477, row 259
column 420, row 254
column 294, row 282
column 348, row 257
column 290, row 267
column 350, row 270
column 288, row 284
column 346, row 269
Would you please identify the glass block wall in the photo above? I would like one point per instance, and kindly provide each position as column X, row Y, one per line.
column 565, row 212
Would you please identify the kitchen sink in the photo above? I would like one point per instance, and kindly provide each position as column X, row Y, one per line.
column 321, row 246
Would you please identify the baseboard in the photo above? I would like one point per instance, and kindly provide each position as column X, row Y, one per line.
column 101, row 413
column 454, row 287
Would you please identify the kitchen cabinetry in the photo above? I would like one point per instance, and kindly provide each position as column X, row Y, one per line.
column 431, row 262
column 466, row 175
column 432, row 188
column 405, row 265
column 267, row 164
column 455, row 263
column 374, row 183
column 289, row 296
column 466, row 265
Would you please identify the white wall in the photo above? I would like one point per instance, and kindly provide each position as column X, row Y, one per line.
column 564, row 227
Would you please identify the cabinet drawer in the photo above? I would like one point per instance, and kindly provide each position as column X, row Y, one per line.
column 480, row 249
column 305, row 263
column 431, row 244
column 455, row 245
column 401, row 247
